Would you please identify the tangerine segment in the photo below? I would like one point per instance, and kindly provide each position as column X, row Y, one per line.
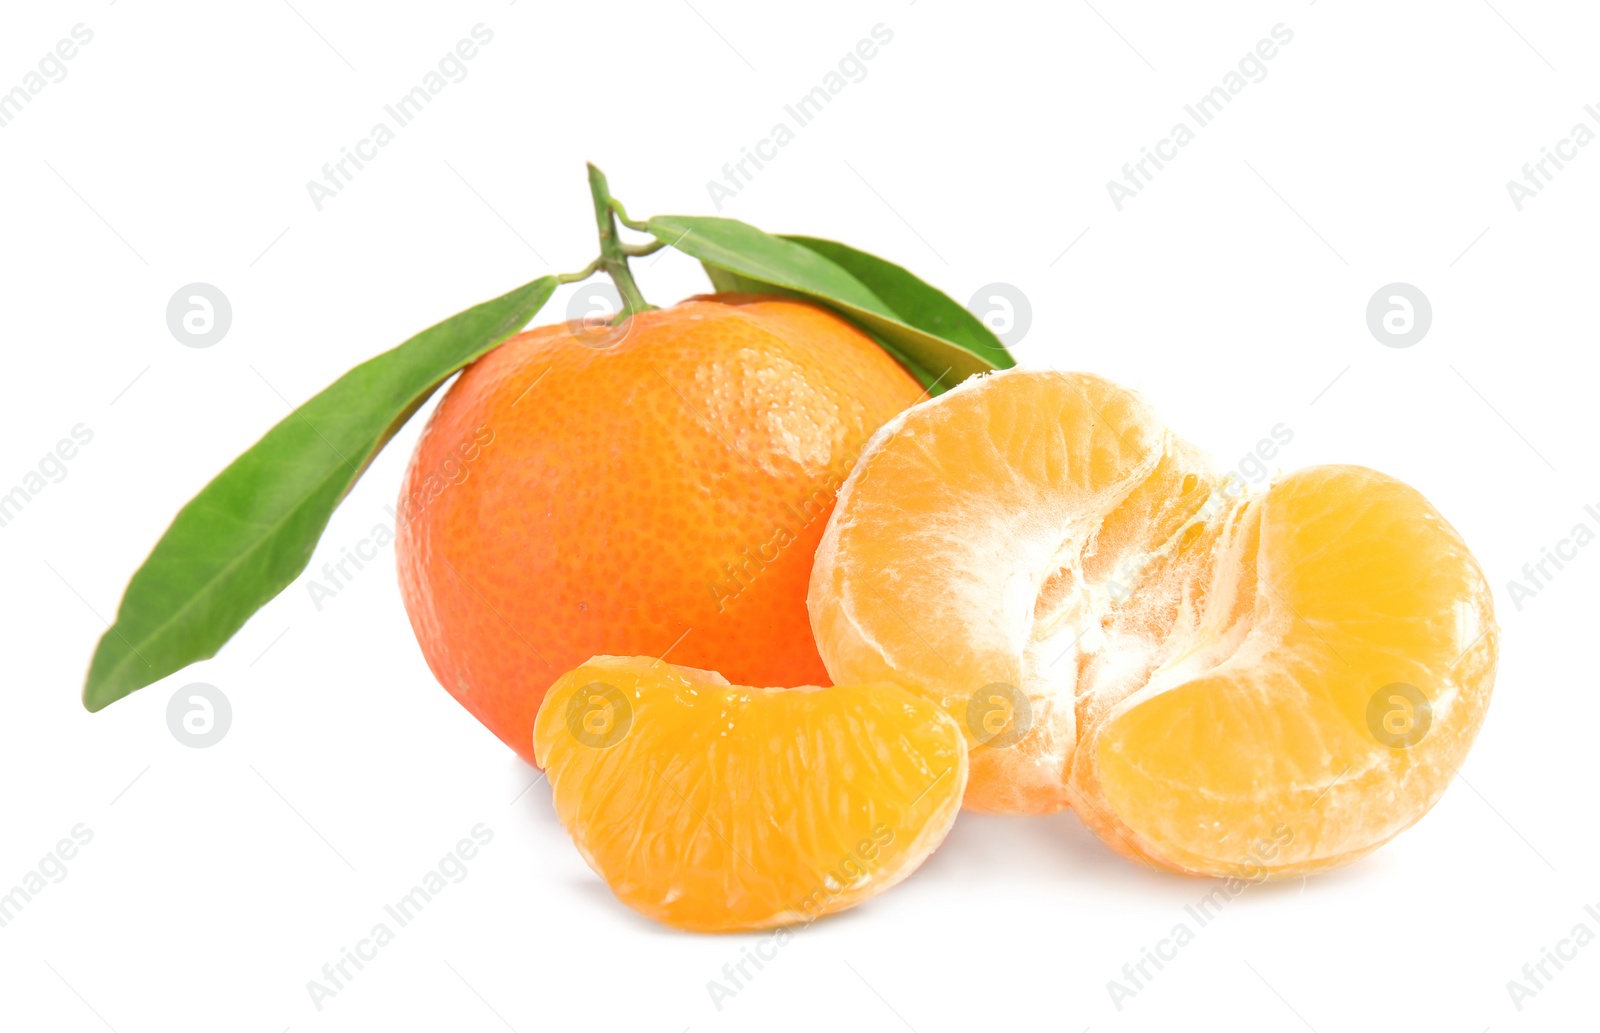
column 717, row 807
column 1322, row 703
column 977, row 548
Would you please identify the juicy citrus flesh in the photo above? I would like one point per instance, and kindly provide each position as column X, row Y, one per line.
column 961, row 560
column 628, row 491
column 1256, row 748
column 716, row 807
column 1217, row 683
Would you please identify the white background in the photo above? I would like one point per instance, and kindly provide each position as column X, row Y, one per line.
column 1232, row 292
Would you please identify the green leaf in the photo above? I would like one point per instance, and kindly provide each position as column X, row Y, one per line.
column 251, row 531
column 913, row 300
column 723, row 280
column 910, row 319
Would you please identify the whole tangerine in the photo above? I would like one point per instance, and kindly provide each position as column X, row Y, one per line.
column 657, row 486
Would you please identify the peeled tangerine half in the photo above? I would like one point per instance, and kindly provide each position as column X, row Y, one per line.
column 1216, row 684
column 717, row 807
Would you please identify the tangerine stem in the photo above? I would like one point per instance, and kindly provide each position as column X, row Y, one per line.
column 581, row 275
column 613, row 255
column 622, row 215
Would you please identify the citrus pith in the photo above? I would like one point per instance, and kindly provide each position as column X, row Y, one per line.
column 1217, row 683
